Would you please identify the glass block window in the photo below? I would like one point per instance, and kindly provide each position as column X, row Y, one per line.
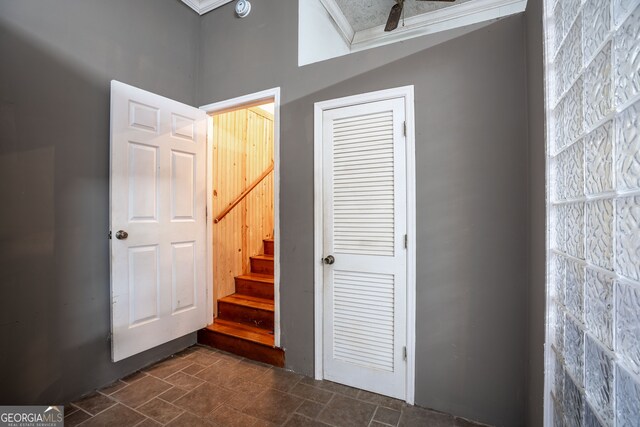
column 592, row 69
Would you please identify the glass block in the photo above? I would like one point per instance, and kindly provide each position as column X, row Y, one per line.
column 574, row 171
column 557, row 176
column 556, row 319
column 628, row 237
column 622, row 8
column 599, row 233
column 558, row 30
column 590, row 418
column 627, row 399
column 558, row 269
column 596, row 24
column 628, row 325
column 557, row 221
column 598, row 368
column 597, row 88
column 554, row 79
column 573, row 403
column 558, row 415
column 598, row 306
column 627, row 58
column 558, row 83
column 628, row 148
column 570, row 14
column 574, row 350
column 575, row 229
column 598, row 146
column 572, row 54
column 558, row 128
column 558, row 375
column 575, row 278
column 572, row 104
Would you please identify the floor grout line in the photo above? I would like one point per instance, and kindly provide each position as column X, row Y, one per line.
column 244, row 374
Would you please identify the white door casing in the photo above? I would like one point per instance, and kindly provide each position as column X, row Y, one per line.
column 364, row 219
column 265, row 96
column 158, row 197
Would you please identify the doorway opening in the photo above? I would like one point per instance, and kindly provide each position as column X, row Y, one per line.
column 242, row 201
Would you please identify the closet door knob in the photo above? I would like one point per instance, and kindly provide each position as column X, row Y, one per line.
column 121, row 235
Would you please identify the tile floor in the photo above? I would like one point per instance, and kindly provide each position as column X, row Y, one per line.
column 205, row 387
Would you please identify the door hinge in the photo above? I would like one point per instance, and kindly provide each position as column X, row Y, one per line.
column 406, row 241
column 404, row 353
column 404, row 128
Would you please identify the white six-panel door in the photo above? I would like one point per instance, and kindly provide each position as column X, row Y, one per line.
column 158, row 198
column 364, row 225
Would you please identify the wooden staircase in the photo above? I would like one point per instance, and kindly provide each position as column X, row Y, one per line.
column 244, row 325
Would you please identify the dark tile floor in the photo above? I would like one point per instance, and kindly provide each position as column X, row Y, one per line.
column 204, row 387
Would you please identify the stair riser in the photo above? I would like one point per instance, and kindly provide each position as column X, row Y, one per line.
column 254, row 288
column 261, row 266
column 262, row 319
column 268, row 247
column 250, row 350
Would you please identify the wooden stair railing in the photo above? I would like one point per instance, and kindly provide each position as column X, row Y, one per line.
column 243, row 194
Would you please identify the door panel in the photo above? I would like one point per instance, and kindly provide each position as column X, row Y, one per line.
column 158, row 197
column 364, row 218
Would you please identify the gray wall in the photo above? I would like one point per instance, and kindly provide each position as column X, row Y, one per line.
column 537, row 212
column 472, row 163
column 57, row 60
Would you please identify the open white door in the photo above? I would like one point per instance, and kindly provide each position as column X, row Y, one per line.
column 158, row 220
column 364, row 220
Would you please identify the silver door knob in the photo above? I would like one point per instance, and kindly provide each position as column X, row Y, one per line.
column 121, row 235
column 329, row 259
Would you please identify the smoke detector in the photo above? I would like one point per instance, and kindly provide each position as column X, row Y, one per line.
column 243, row 7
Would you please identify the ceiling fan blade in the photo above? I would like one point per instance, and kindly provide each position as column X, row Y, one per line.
column 394, row 16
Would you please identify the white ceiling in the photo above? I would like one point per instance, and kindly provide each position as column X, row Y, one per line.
column 364, row 14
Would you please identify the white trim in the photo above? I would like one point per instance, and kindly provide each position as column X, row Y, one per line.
column 547, row 53
column 405, row 92
column 447, row 18
column 412, row 282
column 265, row 95
column 239, row 101
column 204, row 6
column 318, row 251
column 210, row 290
column 346, row 30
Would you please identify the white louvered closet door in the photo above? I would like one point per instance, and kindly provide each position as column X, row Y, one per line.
column 364, row 217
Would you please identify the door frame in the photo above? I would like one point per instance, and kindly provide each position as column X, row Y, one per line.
column 405, row 92
column 246, row 101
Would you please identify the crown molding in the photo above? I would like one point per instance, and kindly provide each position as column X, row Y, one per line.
column 346, row 30
column 461, row 15
column 204, row 6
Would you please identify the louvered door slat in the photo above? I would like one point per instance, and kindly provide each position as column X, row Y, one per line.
column 364, row 218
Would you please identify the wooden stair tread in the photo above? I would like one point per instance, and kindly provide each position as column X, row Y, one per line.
column 257, row 277
column 248, row 301
column 239, row 330
column 245, row 321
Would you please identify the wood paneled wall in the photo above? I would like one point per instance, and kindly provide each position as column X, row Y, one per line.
column 242, row 150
